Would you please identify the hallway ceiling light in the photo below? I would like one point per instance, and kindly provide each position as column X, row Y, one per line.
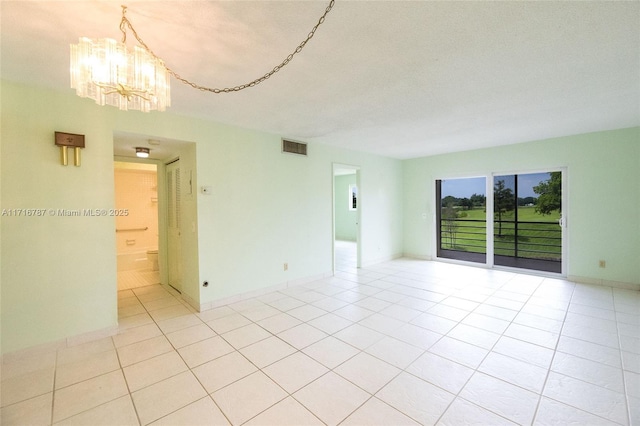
column 109, row 73
column 142, row 152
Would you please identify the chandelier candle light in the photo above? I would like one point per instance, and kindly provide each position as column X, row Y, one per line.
column 109, row 73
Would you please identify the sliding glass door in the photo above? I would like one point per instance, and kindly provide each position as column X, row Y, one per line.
column 462, row 219
column 525, row 219
column 527, row 225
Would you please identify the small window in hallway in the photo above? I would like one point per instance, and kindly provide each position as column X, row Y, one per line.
column 353, row 197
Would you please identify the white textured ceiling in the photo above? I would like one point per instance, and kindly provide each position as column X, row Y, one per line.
column 401, row 79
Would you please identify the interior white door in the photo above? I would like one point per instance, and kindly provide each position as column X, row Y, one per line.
column 174, row 225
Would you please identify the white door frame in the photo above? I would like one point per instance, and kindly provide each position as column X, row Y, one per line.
column 335, row 167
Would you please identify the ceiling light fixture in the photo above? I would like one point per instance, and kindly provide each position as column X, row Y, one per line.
column 142, row 152
column 109, row 73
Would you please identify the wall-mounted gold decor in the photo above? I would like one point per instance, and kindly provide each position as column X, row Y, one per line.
column 66, row 140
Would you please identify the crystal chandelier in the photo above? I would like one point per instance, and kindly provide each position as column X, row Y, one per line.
column 109, row 73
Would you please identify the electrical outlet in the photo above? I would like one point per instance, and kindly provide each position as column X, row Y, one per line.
column 286, row 266
column 602, row 264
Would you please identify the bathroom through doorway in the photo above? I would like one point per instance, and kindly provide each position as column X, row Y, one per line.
column 136, row 205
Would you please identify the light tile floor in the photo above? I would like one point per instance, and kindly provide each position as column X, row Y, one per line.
column 137, row 278
column 401, row 343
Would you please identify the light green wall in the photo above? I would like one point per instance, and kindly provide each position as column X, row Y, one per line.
column 345, row 219
column 603, row 177
column 59, row 274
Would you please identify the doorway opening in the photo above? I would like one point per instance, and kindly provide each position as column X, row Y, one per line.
column 346, row 218
column 136, row 208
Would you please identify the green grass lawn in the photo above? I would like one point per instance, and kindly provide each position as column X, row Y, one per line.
column 543, row 236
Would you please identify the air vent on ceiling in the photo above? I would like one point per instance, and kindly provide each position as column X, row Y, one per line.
column 294, row 147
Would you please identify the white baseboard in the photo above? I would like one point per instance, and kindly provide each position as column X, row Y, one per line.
column 607, row 283
column 261, row 292
column 377, row 261
column 418, row 256
column 60, row 344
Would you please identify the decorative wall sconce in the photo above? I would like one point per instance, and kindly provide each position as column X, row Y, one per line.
column 66, row 140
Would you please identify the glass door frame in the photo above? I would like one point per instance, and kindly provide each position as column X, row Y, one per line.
column 489, row 178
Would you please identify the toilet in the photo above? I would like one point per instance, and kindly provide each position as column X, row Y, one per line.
column 152, row 256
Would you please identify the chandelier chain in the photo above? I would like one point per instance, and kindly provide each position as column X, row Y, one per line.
column 125, row 23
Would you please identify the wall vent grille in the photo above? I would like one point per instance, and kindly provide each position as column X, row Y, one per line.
column 292, row 147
